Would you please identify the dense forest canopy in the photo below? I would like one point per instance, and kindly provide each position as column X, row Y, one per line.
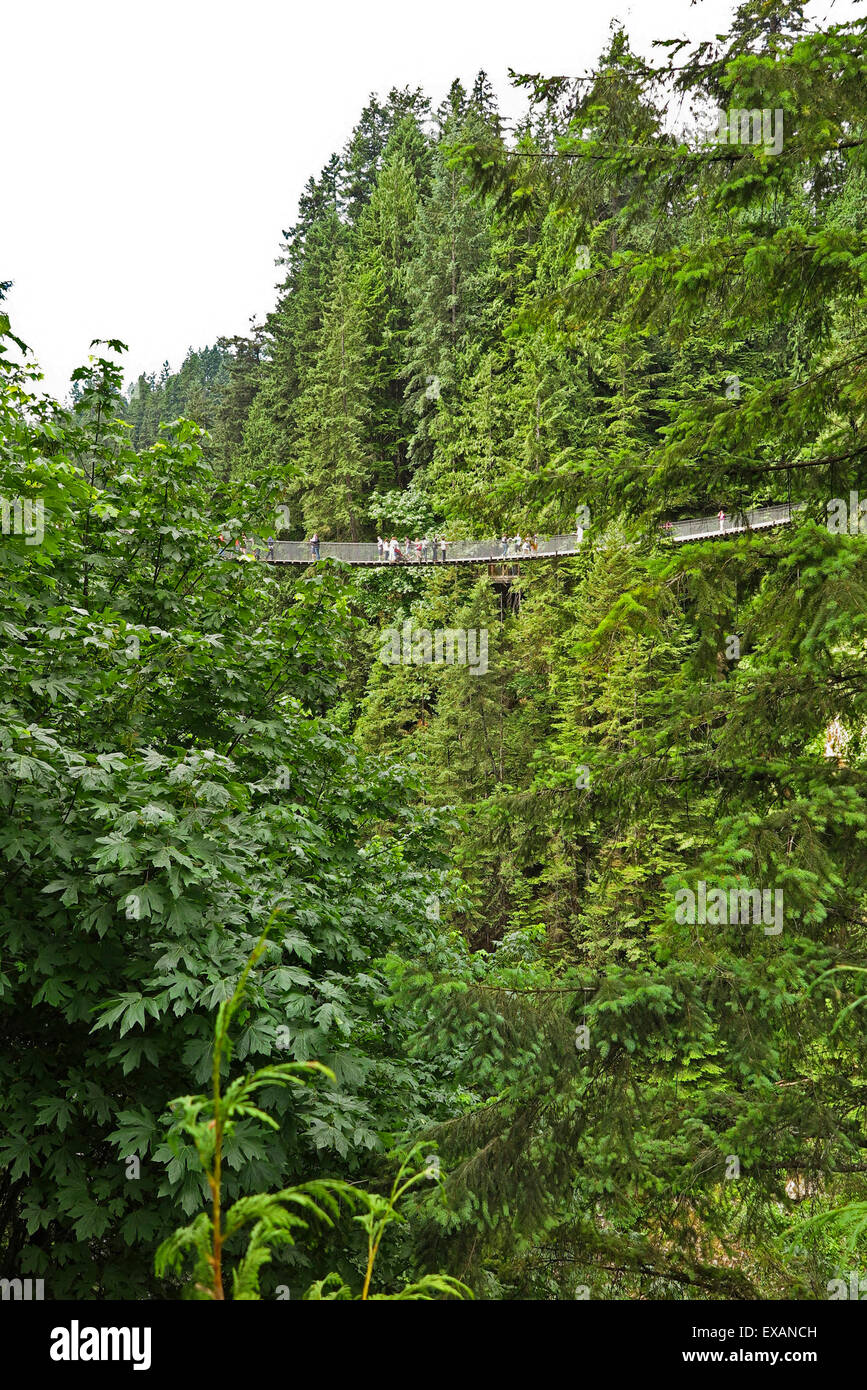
column 482, row 879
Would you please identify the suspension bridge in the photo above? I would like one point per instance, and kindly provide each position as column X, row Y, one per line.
column 468, row 552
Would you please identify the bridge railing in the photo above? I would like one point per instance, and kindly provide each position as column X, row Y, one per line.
column 367, row 553
column 299, row 552
column 754, row 519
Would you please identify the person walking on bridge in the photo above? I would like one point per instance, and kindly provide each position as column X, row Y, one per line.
column 436, row 549
column 425, row 548
column 504, row 544
column 380, row 547
column 271, row 549
column 314, row 546
column 443, row 549
column 722, row 519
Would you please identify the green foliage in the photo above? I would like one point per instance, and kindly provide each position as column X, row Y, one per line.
column 168, row 775
column 275, row 1218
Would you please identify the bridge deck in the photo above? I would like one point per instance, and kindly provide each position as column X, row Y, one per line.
column 365, row 553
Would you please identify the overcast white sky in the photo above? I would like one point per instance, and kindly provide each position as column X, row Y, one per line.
column 154, row 152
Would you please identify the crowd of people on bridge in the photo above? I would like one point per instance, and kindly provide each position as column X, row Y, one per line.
column 242, row 548
column 425, row 550
column 434, row 550
column 520, row 545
